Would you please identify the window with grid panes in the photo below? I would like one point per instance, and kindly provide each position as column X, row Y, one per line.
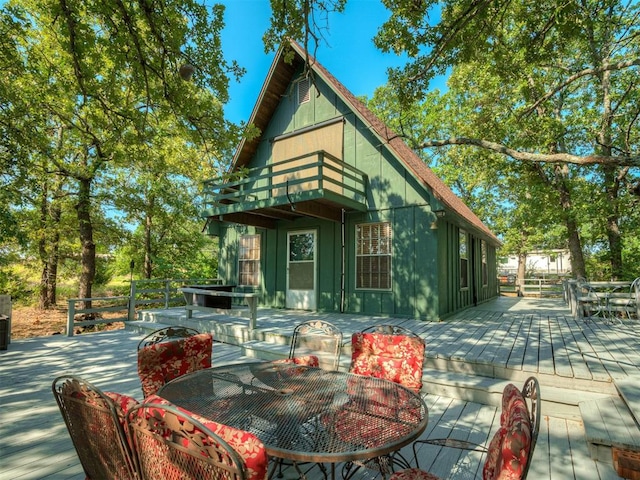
column 485, row 272
column 373, row 256
column 464, row 260
column 249, row 260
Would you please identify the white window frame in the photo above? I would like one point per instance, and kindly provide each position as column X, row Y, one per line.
column 463, row 250
column 485, row 269
column 377, row 248
column 249, row 252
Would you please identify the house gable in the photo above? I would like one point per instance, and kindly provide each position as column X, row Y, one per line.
column 324, row 164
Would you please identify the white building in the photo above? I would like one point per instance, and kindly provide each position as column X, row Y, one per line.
column 539, row 262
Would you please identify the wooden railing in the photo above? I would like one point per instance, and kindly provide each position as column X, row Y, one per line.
column 93, row 314
column 540, row 287
column 165, row 292
column 150, row 293
column 250, row 299
column 273, row 184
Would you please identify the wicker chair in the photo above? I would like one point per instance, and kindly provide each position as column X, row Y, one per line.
column 95, row 421
column 172, row 443
column 315, row 344
column 391, row 352
column 169, row 353
column 510, row 452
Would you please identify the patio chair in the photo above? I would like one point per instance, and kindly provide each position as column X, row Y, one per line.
column 315, row 343
column 166, row 334
column 391, row 352
column 625, row 301
column 384, row 351
column 165, row 355
column 172, row 443
column 511, row 449
column 95, row 421
column 591, row 303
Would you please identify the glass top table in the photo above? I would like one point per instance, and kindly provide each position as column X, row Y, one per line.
column 305, row 414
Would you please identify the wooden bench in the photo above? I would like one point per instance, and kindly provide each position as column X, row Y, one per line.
column 250, row 299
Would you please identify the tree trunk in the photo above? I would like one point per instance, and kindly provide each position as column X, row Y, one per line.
column 42, row 247
column 578, row 268
column 147, row 268
column 88, row 254
column 522, row 272
column 48, row 247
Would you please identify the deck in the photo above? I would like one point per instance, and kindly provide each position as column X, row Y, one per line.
column 470, row 358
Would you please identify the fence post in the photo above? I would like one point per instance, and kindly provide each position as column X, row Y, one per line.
column 131, row 314
column 167, row 294
column 71, row 313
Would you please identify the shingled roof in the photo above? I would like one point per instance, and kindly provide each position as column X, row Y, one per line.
column 278, row 79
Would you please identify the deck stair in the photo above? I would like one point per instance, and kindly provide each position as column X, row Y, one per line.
column 613, row 421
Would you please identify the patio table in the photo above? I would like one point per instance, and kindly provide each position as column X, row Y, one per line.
column 298, row 411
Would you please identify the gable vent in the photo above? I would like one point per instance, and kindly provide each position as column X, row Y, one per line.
column 304, row 90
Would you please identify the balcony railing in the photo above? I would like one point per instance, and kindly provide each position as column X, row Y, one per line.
column 316, row 176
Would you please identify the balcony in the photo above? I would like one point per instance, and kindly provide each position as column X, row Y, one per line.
column 313, row 185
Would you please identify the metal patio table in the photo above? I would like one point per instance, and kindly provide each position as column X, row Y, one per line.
column 305, row 414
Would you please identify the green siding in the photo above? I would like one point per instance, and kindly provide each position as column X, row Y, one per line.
column 425, row 264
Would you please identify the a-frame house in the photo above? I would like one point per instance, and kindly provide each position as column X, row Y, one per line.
column 329, row 210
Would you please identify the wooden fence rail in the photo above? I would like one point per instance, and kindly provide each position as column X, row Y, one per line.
column 161, row 293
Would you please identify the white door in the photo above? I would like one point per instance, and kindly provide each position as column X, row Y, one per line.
column 301, row 270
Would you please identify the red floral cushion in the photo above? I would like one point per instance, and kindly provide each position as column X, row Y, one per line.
column 352, row 423
column 123, row 403
column 162, row 362
column 510, row 395
column 398, row 358
column 247, row 445
column 491, row 467
column 308, row 360
column 509, row 449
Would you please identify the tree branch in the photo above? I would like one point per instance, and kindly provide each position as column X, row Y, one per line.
column 618, row 160
column 578, row 75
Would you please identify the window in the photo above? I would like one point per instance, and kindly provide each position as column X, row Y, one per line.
column 373, row 256
column 485, row 272
column 249, row 260
column 304, row 90
column 464, row 259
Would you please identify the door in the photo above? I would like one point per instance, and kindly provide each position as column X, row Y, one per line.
column 301, row 270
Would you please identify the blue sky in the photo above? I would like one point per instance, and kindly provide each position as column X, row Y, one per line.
column 348, row 53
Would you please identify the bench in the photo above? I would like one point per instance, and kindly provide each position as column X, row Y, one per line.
column 250, row 299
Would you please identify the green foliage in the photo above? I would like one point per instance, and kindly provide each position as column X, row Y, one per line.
column 101, row 132
column 15, row 282
column 534, row 83
column 304, row 21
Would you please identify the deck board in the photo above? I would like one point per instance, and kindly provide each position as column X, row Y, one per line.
column 36, row 445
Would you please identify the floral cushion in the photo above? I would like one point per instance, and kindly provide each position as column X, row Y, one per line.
column 248, row 446
column 162, row 362
column 511, row 395
column 352, row 423
column 398, row 358
column 123, row 403
column 307, row 360
column 509, row 449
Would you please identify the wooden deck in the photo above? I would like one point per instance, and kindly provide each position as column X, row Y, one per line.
column 478, row 351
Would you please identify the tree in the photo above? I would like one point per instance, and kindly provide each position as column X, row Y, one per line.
column 88, row 78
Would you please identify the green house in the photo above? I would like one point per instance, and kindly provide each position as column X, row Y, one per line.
column 329, row 210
